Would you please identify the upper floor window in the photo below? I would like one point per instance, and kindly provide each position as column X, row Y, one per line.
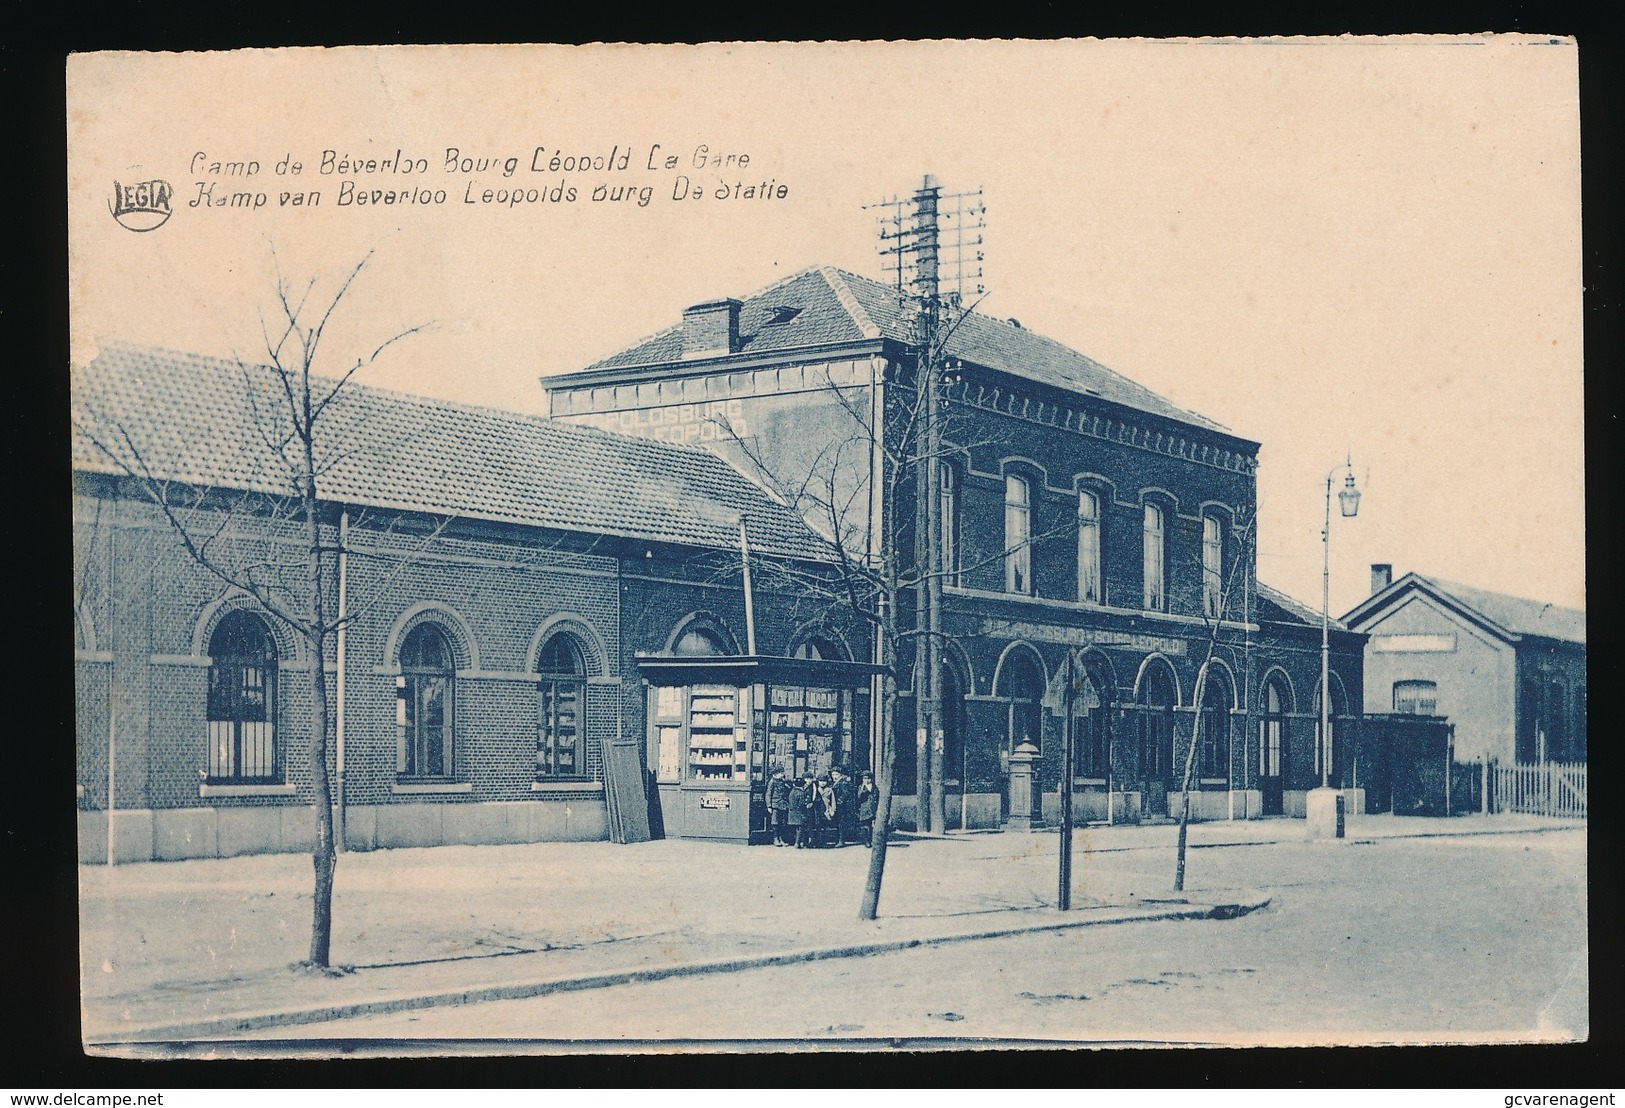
column 1018, row 534
column 561, row 720
column 242, row 700
column 426, row 691
column 1416, row 698
column 1212, row 566
column 1089, row 585
column 1155, row 549
column 949, row 511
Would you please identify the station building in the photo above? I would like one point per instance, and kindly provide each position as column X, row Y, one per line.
column 1081, row 511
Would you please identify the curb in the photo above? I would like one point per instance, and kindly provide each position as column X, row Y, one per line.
column 229, row 1026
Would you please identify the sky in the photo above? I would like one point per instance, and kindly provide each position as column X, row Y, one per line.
column 1362, row 248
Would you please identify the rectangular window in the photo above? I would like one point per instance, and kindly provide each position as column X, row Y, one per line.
column 1089, row 587
column 1212, row 567
column 1269, row 747
column 1156, row 598
column 1018, row 535
column 558, row 737
column 949, row 510
column 424, row 718
column 1416, row 698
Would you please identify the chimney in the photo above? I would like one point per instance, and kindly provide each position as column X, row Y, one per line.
column 1382, row 575
column 711, row 329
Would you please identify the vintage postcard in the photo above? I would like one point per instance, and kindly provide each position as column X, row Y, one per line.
column 829, row 546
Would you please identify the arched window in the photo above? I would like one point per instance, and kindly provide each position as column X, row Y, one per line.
column 561, row 709
column 953, row 724
column 426, row 691
column 819, row 648
column 1154, row 549
column 1021, row 684
column 1212, row 566
column 242, row 701
column 1213, row 754
column 1089, row 586
column 1157, row 698
column 1018, row 534
column 1092, row 742
column 1272, row 731
column 698, row 641
column 1327, row 746
column 949, row 507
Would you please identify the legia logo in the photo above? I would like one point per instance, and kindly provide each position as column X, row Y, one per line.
column 143, row 206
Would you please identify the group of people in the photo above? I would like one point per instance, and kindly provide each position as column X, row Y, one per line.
column 831, row 810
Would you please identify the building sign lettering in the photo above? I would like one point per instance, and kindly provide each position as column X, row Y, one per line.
column 1078, row 636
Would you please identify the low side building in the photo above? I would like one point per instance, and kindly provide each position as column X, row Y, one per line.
column 1509, row 673
column 506, row 580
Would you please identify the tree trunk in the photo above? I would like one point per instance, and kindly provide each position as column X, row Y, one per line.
column 323, row 855
column 880, row 834
column 1185, row 785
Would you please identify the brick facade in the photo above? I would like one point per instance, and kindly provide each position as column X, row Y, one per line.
column 780, row 397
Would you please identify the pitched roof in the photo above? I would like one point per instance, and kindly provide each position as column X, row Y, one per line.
column 834, row 306
column 1276, row 606
column 213, row 423
column 1509, row 616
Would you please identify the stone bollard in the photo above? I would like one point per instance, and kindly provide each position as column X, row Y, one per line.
column 1025, row 813
column 1325, row 809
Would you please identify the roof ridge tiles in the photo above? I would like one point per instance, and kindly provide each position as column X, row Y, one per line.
column 418, row 453
column 843, row 293
column 422, row 400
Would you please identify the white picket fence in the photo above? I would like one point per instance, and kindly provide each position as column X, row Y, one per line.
column 1547, row 789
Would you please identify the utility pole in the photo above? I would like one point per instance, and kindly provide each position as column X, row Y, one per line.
column 1063, row 898
column 912, row 242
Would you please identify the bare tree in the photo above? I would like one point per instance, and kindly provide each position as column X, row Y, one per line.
column 883, row 455
column 1220, row 602
column 223, row 527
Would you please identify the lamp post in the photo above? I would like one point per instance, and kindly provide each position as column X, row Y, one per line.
column 1348, row 503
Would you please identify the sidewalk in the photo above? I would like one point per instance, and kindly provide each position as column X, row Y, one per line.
column 202, row 949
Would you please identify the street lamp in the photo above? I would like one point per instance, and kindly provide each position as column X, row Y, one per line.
column 1348, row 503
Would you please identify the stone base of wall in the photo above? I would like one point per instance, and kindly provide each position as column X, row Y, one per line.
column 1295, row 804
column 980, row 811
column 1089, row 806
column 1218, row 804
column 161, row 835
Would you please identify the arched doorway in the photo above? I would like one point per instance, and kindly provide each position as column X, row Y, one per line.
column 1156, row 701
column 1272, row 745
column 955, row 751
column 1213, row 748
column 1020, row 684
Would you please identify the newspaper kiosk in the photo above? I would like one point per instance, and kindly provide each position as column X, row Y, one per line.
column 719, row 726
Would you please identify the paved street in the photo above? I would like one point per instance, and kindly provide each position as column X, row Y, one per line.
column 1465, row 938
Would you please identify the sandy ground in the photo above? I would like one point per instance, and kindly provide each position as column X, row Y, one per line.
column 1430, row 940
column 178, row 941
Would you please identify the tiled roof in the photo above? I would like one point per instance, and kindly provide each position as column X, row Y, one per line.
column 1517, row 614
column 208, row 422
column 1276, row 606
column 1509, row 616
column 836, row 306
